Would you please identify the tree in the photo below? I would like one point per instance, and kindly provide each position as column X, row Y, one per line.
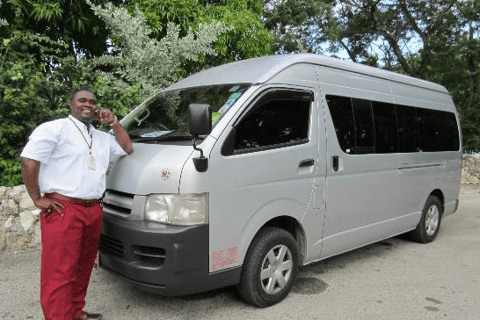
column 32, row 91
column 436, row 40
column 27, row 97
column 144, row 62
column 247, row 37
column 299, row 25
column 70, row 21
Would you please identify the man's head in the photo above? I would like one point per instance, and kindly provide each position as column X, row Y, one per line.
column 83, row 106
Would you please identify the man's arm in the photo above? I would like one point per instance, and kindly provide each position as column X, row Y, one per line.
column 123, row 137
column 30, row 170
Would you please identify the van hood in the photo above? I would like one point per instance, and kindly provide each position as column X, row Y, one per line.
column 150, row 168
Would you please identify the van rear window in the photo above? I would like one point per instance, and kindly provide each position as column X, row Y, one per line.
column 365, row 126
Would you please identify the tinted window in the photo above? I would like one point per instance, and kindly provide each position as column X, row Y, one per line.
column 364, row 129
column 438, row 130
column 407, row 129
column 342, row 116
column 273, row 123
column 365, row 126
column 385, row 127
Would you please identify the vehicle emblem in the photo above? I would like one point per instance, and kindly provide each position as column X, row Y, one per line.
column 166, row 174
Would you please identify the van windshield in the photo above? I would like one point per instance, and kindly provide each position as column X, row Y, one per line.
column 164, row 116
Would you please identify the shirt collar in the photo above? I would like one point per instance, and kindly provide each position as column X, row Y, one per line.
column 81, row 124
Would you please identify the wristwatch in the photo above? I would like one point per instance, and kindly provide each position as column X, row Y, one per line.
column 114, row 120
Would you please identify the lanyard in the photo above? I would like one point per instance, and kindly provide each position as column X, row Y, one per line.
column 91, row 142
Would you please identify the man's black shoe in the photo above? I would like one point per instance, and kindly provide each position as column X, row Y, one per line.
column 90, row 316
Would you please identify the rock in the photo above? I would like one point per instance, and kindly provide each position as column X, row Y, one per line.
column 37, row 237
column 8, row 207
column 469, row 179
column 10, row 225
column 25, row 202
column 19, row 242
column 20, row 188
column 27, row 220
column 2, row 191
column 3, row 244
column 13, row 193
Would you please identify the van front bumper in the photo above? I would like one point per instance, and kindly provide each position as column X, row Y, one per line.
column 164, row 259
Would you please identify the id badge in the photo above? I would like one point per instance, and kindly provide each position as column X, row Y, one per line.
column 91, row 163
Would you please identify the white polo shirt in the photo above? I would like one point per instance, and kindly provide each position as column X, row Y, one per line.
column 63, row 154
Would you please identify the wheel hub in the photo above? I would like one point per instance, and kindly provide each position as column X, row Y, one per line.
column 276, row 269
column 432, row 219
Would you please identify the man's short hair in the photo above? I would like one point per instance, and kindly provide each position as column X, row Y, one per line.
column 82, row 90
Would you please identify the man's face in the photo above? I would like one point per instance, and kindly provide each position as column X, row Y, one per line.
column 84, row 106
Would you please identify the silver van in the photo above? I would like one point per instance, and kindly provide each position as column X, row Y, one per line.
column 243, row 172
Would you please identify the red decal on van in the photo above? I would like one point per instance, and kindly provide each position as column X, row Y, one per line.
column 223, row 258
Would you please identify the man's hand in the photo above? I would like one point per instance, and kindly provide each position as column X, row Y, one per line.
column 48, row 205
column 106, row 116
column 30, row 169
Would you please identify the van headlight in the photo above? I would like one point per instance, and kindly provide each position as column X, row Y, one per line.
column 183, row 209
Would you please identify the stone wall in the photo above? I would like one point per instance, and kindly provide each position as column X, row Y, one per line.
column 20, row 226
column 471, row 170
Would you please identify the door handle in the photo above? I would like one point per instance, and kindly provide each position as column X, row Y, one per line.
column 335, row 163
column 306, row 163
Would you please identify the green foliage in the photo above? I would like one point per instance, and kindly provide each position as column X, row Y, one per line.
column 246, row 38
column 144, row 64
column 3, row 22
column 141, row 64
column 299, row 25
column 38, row 77
column 71, row 21
column 27, row 97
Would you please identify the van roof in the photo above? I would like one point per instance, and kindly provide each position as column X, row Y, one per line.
column 260, row 70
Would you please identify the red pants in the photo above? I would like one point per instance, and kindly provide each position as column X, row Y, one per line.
column 69, row 248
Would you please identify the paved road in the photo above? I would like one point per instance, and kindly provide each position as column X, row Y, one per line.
column 393, row 279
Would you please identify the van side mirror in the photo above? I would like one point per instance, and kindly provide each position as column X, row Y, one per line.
column 199, row 123
column 199, row 119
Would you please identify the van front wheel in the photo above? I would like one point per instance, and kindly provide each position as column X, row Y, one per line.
column 270, row 268
column 427, row 228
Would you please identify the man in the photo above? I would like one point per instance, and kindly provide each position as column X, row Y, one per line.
column 66, row 160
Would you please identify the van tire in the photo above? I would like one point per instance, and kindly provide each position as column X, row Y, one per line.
column 429, row 225
column 271, row 248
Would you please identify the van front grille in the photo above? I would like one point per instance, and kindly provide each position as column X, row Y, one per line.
column 119, row 203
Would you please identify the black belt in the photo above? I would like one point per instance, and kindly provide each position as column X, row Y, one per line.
column 82, row 202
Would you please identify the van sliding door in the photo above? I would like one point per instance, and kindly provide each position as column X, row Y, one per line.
column 362, row 176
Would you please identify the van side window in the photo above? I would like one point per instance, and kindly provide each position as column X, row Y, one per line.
column 275, row 122
column 354, row 124
column 385, row 127
column 342, row 115
column 364, row 129
column 365, row 126
column 438, row 130
column 407, row 129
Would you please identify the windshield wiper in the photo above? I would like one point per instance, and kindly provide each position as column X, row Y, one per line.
column 165, row 137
